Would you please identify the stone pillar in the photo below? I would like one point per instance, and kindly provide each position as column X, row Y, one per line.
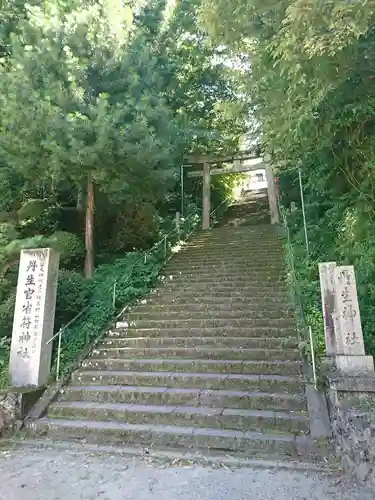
column 350, row 350
column 271, row 188
column 178, row 224
column 206, row 196
column 327, row 289
column 351, row 401
column 30, row 358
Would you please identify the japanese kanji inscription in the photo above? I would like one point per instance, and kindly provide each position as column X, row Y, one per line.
column 34, row 317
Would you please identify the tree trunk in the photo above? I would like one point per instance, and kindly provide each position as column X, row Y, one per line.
column 89, row 231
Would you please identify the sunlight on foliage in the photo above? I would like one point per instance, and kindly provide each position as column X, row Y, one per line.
column 310, row 86
column 115, row 92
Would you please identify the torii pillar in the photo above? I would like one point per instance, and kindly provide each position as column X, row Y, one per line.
column 206, row 196
column 271, row 189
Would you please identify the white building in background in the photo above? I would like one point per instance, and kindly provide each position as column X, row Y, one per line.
column 254, row 180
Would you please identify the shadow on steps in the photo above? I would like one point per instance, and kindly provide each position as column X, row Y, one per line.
column 251, row 209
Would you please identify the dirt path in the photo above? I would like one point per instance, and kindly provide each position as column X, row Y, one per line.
column 53, row 474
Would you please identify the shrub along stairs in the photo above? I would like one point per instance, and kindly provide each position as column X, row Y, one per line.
column 207, row 362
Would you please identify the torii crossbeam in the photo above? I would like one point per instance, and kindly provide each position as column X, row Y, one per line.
column 255, row 163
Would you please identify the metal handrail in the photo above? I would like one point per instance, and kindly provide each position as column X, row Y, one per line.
column 163, row 240
column 298, row 295
column 59, row 334
column 73, row 320
column 222, row 203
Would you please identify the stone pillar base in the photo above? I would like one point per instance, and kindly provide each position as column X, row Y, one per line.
column 354, row 364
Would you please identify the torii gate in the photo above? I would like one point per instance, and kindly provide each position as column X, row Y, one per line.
column 236, row 159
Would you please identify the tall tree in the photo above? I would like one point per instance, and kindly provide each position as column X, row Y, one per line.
column 92, row 107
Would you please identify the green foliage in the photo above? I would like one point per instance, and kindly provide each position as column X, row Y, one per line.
column 311, row 91
column 32, row 209
column 71, row 248
column 73, row 293
column 132, row 276
column 4, row 356
column 6, row 315
column 118, row 92
column 135, row 227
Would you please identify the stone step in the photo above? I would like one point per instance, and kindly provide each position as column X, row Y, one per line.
column 192, row 397
column 262, row 277
column 223, row 381
column 240, row 245
column 223, row 274
column 189, row 342
column 229, row 252
column 188, row 293
column 180, row 267
column 241, row 242
column 220, row 257
column 161, row 314
column 166, row 436
column 184, row 416
column 235, row 237
column 208, row 360
column 264, row 289
column 233, row 300
column 237, row 253
column 222, row 331
column 157, row 303
column 199, row 352
column 185, row 262
column 231, row 230
column 264, row 228
column 211, row 323
column 264, row 286
column 218, row 295
column 248, row 238
column 193, row 365
column 180, row 263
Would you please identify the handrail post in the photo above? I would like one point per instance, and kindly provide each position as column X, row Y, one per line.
column 295, row 286
column 312, row 355
column 303, row 211
column 178, row 225
column 182, row 189
column 114, row 295
column 58, row 356
column 206, row 196
column 63, row 329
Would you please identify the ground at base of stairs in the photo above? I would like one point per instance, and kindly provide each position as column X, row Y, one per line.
column 55, row 474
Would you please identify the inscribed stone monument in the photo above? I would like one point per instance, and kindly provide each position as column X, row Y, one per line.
column 34, row 315
column 350, row 349
column 327, row 289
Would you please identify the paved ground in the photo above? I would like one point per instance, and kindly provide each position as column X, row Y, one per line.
column 27, row 474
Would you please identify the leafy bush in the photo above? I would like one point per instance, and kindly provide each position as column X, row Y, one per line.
column 71, row 247
column 6, row 323
column 340, row 228
column 134, row 276
column 6, row 286
column 131, row 282
column 73, row 293
column 4, row 359
column 135, row 227
column 6, row 315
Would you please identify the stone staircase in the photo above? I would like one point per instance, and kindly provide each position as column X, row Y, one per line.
column 207, row 362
